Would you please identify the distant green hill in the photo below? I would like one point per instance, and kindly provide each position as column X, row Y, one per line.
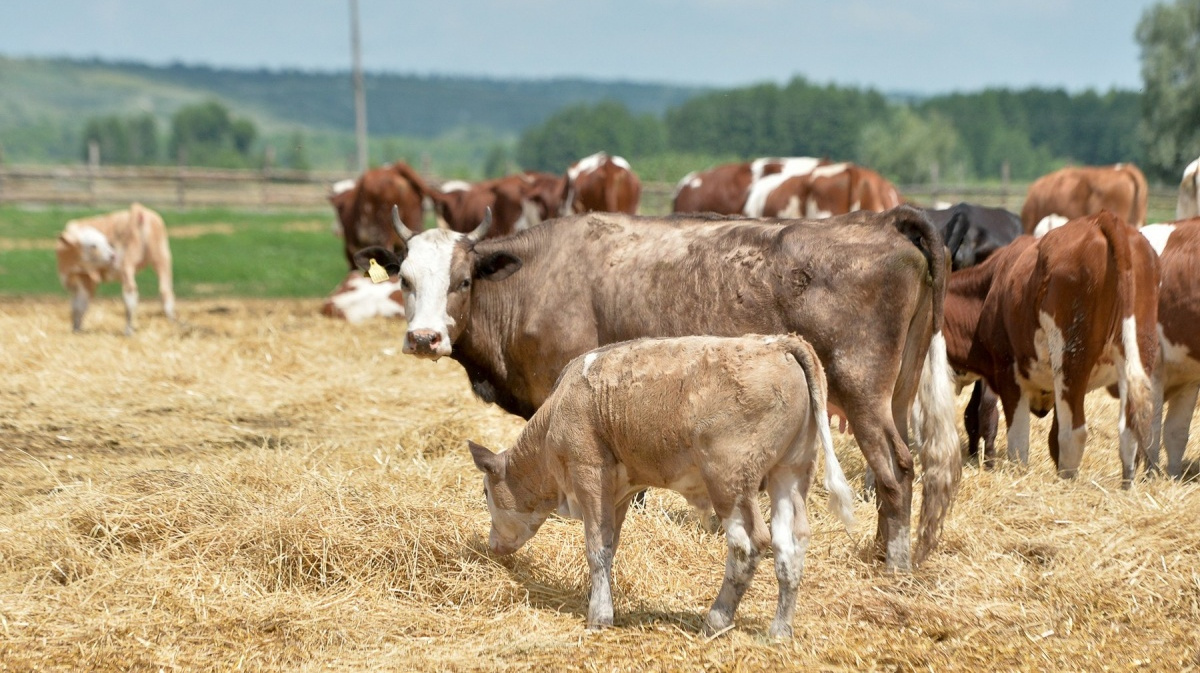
column 44, row 104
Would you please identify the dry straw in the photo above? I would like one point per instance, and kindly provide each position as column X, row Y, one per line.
column 262, row 488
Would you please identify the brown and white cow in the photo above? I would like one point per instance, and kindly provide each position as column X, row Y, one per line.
column 541, row 196
column 1077, row 191
column 514, row 311
column 365, row 210
column 836, row 189
column 461, row 205
column 714, row 419
column 1177, row 381
column 769, row 175
column 726, row 189
column 357, row 298
column 114, row 247
column 1044, row 321
column 601, row 183
column 1188, row 203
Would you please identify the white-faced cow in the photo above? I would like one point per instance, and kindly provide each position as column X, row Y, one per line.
column 714, row 419
column 1077, row 191
column 973, row 233
column 1188, row 203
column 1044, row 321
column 1177, row 381
column 114, row 247
column 865, row 290
column 365, row 210
column 601, row 183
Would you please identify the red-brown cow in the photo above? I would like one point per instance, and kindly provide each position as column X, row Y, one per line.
column 601, row 183
column 365, row 210
column 1077, row 191
column 542, row 196
column 1177, row 381
column 1044, row 321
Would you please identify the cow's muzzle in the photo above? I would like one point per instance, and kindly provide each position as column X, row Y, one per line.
column 423, row 343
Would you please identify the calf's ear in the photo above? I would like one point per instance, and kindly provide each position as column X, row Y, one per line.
column 386, row 258
column 486, row 461
column 497, row 266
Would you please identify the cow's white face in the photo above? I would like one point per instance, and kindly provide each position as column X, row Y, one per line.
column 437, row 292
column 94, row 247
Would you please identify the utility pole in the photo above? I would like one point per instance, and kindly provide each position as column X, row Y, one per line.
column 360, row 95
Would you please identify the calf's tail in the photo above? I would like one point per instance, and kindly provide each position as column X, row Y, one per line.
column 841, row 496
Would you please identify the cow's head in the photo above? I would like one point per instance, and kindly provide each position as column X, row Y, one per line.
column 516, row 508
column 437, row 270
column 93, row 245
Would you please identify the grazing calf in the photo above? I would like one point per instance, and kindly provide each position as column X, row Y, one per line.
column 714, row 419
column 1177, row 381
column 1044, row 321
column 114, row 247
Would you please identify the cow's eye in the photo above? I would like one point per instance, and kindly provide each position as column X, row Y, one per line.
column 464, row 285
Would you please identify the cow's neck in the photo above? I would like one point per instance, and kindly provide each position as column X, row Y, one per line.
column 965, row 296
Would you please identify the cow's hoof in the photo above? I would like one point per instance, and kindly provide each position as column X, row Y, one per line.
column 715, row 623
column 780, row 631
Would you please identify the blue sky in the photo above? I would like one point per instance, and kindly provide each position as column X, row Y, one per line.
column 931, row 46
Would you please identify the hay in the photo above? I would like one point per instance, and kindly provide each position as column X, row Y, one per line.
column 260, row 487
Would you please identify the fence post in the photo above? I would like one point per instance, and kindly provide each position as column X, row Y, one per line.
column 182, row 161
column 1004, row 175
column 93, row 166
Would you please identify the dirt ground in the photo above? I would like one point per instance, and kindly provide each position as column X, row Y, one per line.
column 259, row 487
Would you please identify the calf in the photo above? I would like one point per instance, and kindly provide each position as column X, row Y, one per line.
column 1177, row 381
column 114, row 247
column 714, row 419
column 1044, row 321
column 357, row 298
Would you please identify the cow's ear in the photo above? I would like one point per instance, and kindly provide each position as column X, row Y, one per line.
column 487, row 462
column 497, row 266
column 955, row 232
column 386, row 258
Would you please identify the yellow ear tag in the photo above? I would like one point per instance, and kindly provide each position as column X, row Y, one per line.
column 377, row 273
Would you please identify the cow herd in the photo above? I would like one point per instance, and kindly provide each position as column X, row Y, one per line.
column 622, row 339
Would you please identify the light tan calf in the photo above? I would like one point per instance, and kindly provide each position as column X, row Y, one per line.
column 114, row 247
column 714, row 419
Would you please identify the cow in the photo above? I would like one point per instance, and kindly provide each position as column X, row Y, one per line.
column 1077, row 191
column 1188, row 203
column 832, row 189
column 972, row 233
column 1177, row 381
column 114, row 247
column 364, row 211
column 714, row 419
column 461, row 205
column 514, row 311
column 357, row 298
column 1043, row 321
column 1051, row 221
column 541, row 196
column 341, row 196
column 601, row 183
column 726, row 189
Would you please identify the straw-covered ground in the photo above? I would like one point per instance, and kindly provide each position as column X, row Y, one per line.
column 259, row 487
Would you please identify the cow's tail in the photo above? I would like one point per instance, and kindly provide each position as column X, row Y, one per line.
column 620, row 186
column 841, row 496
column 1139, row 406
column 941, row 461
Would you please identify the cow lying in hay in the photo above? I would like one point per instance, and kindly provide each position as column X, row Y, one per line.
column 714, row 419
column 114, row 247
column 865, row 289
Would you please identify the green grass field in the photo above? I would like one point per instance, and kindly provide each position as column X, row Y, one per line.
column 217, row 252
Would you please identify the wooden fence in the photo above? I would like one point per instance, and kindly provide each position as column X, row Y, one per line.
column 113, row 186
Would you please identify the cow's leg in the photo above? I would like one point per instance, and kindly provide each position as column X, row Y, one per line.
column 1156, row 413
column 166, row 288
column 790, row 533
column 129, row 293
column 1175, row 428
column 888, row 456
column 79, row 303
column 1017, row 417
column 594, row 489
column 740, row 562
column 989, row 423
column 1069, row 430
column 972, row 421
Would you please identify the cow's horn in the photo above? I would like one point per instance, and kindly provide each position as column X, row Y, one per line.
column 405, row 232
column 482, row 229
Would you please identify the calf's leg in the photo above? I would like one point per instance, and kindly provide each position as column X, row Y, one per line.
column 594, row 490
column 739, row 564
column 79, row 305
column 789, row 540
column 1176, row 426
column 129, row 292
column 166, row 288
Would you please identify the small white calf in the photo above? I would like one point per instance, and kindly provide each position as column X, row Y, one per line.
column 714, row 419
column 114, row 247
